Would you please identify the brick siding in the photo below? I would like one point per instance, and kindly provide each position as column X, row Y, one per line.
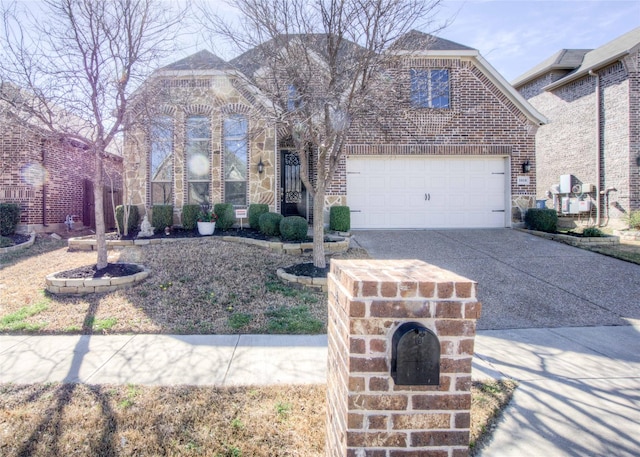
column 567, row 144
column 66, row 166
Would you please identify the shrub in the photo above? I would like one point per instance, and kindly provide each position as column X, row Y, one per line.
column 270, row 223
column 634, row 220
column 162, row 216
column 340, row 218
column 544, row 220
column 5, row 242
column 9, row 218
column 293, row 228
column 592, row 231
column 255, row 211
column 132, row 222
column 190, row 216
column 226, row 215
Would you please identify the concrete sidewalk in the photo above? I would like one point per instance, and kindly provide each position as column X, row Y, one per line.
column 578, row 393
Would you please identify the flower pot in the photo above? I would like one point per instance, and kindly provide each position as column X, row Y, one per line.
column 206, row 228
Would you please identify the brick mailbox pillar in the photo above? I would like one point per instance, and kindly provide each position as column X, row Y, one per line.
column 368, row 414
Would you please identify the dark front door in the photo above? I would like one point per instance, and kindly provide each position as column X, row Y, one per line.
column 292, row 192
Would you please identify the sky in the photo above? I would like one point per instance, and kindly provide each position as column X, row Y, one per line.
column 516, row 35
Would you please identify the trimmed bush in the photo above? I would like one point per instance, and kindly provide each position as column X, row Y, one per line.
column 270, row 223
column 592, row 232
column 634, row 220
column 255, row 211
column 293, row 228
column 190, row 216
column 544, row 220
column 132, row 222
column 162, row 216
column 226, row 215
column 9, row 218
column 340, row 218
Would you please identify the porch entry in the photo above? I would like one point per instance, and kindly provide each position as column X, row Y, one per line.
column 88, row 205
column 293, row 195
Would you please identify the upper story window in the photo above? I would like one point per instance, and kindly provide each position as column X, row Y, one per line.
column 429, row 88
column 198, row 149
column 236, row 157
column 293, row 98
column 161, row 163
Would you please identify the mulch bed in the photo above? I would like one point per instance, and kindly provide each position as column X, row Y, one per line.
column 18, row 238
column 112, row 270
column 307, row 269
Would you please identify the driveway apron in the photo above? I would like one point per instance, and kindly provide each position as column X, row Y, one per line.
column 563, row 322
column 524, row 281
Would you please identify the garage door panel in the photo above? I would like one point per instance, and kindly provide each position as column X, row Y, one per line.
column 426, row 192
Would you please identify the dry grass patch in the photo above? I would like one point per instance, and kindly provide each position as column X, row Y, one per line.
column 488, row 400
column 196, row 286
column 82, row 420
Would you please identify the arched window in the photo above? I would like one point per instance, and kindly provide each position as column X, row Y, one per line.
column 161, row 161
column 198, row 152
column 236, row 155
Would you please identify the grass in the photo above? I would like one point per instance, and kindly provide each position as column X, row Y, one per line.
column 197, row 286
column 17, row 321
column 83, row 420
column 629, row 253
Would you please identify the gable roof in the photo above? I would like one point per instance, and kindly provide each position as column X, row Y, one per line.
column 420, row 41
column 201, row 60
column 565, row 59
column 591, row 60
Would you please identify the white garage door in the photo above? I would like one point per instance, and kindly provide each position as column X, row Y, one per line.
column 427, row 192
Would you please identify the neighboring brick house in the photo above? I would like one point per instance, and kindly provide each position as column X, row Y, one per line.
column 455, row 150
column 592, row 100
column 49, row 178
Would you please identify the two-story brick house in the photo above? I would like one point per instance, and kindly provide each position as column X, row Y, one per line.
column 454, row 149
column 591, row 98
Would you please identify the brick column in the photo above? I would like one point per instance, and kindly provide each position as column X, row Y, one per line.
column 367, row 414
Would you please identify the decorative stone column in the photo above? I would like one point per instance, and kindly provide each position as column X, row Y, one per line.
column 368, row 415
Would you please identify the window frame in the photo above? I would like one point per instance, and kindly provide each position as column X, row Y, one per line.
column 424, row 82
column 198, row 143
column 165, row 140
column 242, row 138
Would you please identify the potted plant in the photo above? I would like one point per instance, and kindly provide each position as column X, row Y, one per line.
column 207, row 222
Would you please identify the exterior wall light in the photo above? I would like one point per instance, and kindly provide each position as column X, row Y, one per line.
column 260, row 166
column 526, row 167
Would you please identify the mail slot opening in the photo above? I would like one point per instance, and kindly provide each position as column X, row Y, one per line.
column 415, row 356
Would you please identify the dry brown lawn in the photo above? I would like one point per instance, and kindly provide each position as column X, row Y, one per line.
column 83, row 420
column 196, row 286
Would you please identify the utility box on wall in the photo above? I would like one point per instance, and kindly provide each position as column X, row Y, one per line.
column 566, row 183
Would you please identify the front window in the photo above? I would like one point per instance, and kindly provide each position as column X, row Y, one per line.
column 236, row 154
column 429, row 88
column 198, row 148
column 162, row 161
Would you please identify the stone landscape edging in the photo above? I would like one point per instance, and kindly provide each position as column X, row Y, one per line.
column 628, row 235
column 89, row 244
column 577, row 241
column 84, row 286
column 305, row 281
column 17, row 247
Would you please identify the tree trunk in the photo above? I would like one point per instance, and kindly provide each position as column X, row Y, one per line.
column 318, row 228
column 98, row 191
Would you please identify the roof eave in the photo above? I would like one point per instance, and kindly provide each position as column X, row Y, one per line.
column 585, row 71
column 537, row 74
column 527, row 109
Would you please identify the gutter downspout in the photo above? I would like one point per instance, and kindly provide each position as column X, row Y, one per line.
column 44, row 183
column 598, row 145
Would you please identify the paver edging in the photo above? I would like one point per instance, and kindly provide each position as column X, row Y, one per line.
column 20, row 246
column 77, row 286
column 303, row 281
column 581, row 242
column 87, row 243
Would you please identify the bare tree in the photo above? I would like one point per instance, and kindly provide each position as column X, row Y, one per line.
column 70, row 67
column 321, row 63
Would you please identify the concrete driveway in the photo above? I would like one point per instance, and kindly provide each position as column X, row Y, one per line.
column 524, row 281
